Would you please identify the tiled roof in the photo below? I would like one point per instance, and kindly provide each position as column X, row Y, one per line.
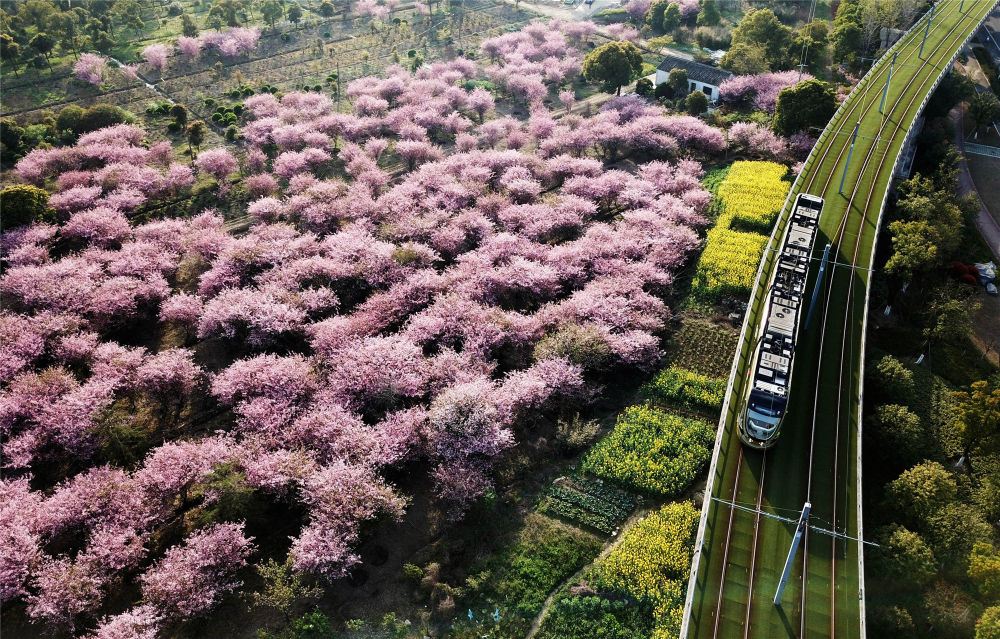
column 696, row 71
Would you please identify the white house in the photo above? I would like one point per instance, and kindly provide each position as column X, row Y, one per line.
column 701, row 77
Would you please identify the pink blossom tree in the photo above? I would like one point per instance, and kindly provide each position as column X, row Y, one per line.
column 156, row 56
column 190, row 579
column 91, row 68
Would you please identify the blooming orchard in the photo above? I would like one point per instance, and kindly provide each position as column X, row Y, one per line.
column 404, row 263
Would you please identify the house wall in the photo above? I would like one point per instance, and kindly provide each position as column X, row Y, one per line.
column 710, row 90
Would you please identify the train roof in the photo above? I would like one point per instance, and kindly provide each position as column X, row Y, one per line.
column 785, row 296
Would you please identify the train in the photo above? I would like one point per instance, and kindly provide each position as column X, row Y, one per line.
column 765, row 398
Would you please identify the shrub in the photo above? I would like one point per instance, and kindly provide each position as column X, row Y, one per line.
column 652, row 450
column 23, row 204
column 581, row 345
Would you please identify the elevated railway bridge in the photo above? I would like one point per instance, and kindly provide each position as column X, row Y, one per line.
column 754, row 497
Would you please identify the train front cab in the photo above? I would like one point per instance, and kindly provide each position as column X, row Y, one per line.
column 761, row 420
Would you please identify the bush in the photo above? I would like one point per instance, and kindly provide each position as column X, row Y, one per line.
column 23, row 204
column 653, row 451
column 644, row 86
column 713, row 37
column 100, row 116
column 663, row 91
column 582, row 345
column 676, row 386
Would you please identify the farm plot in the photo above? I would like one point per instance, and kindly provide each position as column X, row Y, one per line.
column 750, row 197
column 678, row 387
column 702, row 347
column 652, row 451
column 588, row 502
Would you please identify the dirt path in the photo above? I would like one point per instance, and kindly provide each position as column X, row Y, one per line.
column 540, row 617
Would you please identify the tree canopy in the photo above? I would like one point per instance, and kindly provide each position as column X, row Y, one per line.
column 808, row 104
column 613, row 65
column 762, row 28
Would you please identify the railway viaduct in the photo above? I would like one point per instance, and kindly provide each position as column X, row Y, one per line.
column 752, row 498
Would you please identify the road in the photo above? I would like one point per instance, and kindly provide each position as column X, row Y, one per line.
column 817, row 459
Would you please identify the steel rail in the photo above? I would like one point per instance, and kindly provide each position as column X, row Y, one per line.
column 725, row 554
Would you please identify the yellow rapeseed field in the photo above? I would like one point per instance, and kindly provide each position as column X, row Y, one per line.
column 752, row 195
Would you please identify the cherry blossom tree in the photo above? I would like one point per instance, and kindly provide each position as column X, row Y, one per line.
column 190, row 579
column 91, row 68
column 156, row 56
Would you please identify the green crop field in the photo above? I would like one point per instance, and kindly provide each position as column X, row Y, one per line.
column 817, row 457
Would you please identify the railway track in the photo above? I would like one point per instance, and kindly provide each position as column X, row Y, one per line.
column 824, row 455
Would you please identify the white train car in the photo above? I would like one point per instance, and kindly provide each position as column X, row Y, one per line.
column 765, row 399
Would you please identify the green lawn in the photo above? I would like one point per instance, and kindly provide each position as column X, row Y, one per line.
column 831, row 601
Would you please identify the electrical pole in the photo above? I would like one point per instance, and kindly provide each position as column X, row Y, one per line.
column 819, row 282
column 854, row 138
column 889, row 77
column 926, row 31
column 799, row 529
column 960, row 5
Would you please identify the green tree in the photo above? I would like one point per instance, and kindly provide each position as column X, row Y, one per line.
column 195, row 134
column 977, row 419
column 295, row 13
column 11, row 140
column 905, row 557
column 761, row 28
column 326, row 9
column 10, row 52
column 921, row 491
column 813, row 39
column 654, row 18
column 914, row 248
column 984, row 569
column 677, row 79
column 899, row 432
column 43, row 43
column 984, row 109
column 745, row 59
column 271, row 11
column 188, row 27
column 283, row 588
column 23, row 204
column 613, row 65
column 180, row 114
column 696, row 103
column 709, row 14
column 644, row 87
column 103, row 115
column 808, row 104
column 953, row 530
column 226, row 11
column 671, row 18
column 988, row 626
column 846, row 42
